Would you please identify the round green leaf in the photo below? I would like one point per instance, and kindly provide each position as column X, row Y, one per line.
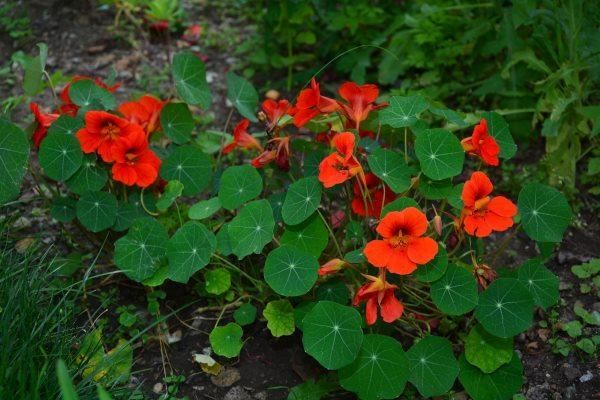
column 97, row 211
column 217, row 281
column 204, row 209
column 402, row 111
column 139, row 252
column 60, row 155
column 379, row 372
column 498, row 385
column 86, row 94
column 177, row 122
column 433, row 367
column 66, row 124
column 332, row 334
column 440, row 154
column 390, row 167
column 311, row 236
column 498, row 128
column 455, row 293
column 238, row 185
column 90, row 177
column 226, row 341
column 541, row 282
column 505, row 308
column 290, row 271
column 280, row 317
column 398, row 205
column 545, row 212
column 189, row 250
column 190, row 166
column 301, row 201
column 126, row 214
column 63, row 209
column 486, row 351
column 190, row 79
column 245, row 314
column 435, row 190
column 252, row 229
column 14, row 153
column 276, row 200
column 242, row 95
column 300, row 312
column 434, row 269
column 335, row 291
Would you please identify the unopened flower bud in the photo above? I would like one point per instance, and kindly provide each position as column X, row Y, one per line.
column 331, row 267
column 437, row 224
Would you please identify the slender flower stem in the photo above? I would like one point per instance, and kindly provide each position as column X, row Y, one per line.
column 337, row 245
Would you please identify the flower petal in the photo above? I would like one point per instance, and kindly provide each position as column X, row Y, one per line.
column 422, row 250
column 399, row 263
column 378, row 253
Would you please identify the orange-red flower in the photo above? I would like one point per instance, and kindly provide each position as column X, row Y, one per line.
column 379, row 294
column 342, row 165
column 144, row 112
column 482, row 145
column 43, row 124
column 275, row 110
column 331, row 267
column 278, row 150
column 483, row 214
column 192, row 34
column 360, row 101
column 242, row 139
column 135, row 163
column 372, row 203
column 310, row 104
column 403, row 246
column 102, row 131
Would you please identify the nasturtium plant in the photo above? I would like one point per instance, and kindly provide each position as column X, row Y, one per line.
column 245, row 314
column 190, row 166
column 362, row 223
column 301, row 200
column 380, row 370
column 177, row 122
column 139, row 252
column 433, row 367
column 238, row 185
column 252, row 229
column 14, row 149
column 455, row 293
column 226, row 341
column 290, row 271
column 332, row 334
column 280, row 317
column 189, row 250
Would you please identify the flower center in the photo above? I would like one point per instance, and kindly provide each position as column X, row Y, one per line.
column 130, row 157
column 399, row 240
column 482, row 203
column 110, row 130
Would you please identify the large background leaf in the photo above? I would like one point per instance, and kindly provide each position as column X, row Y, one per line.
column 190, row 79
column 14, row 154
column 242, row 95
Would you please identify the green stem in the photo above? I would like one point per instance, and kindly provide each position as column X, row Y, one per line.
column 337, row 245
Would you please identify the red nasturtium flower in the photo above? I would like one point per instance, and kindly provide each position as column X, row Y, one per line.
column 242, row 139
column 371, row 204
column 310, row 103
column 482, row 145
column 192, row 34
column 483, row 214
column 278, row 150
column 379, row 294
column 403, row 246
column 275, row 110
column 43, row 124
column 359, row 101
column 102, row 131
column 342, row 165
column 144, row 112
column 134, row 162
